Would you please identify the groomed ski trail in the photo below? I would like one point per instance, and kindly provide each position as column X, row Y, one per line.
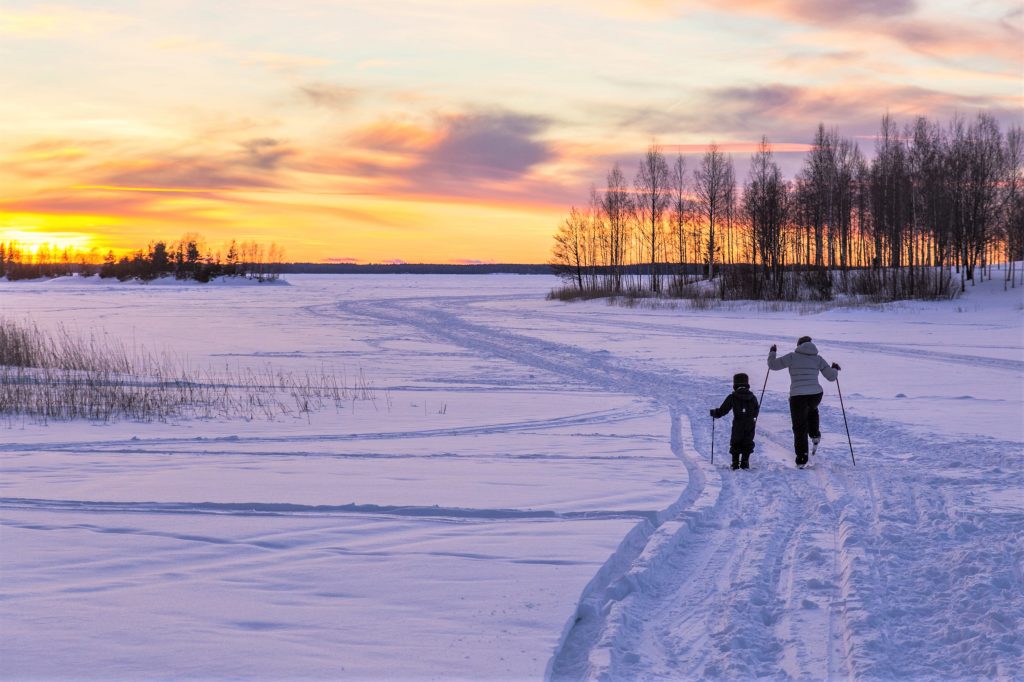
column 833, row 571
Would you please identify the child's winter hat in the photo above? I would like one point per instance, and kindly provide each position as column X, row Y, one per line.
column 802, row 340
column 740, row 379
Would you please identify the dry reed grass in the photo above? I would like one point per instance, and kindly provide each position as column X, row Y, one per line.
column 61, row 376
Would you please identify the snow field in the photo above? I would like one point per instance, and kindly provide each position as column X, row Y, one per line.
column 443, row 530
column 537, row 500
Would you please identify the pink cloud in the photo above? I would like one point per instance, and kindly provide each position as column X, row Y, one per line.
column 903, row 21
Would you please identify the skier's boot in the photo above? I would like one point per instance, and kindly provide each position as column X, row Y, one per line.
column 814, row 444
column 745, row 462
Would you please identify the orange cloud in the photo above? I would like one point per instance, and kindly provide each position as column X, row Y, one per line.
column 120, row 188
column 394, row 135
column 87, row 205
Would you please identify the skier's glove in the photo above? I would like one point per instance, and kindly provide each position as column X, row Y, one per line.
column 773, row 348
column 713, row 415
column 835, row 366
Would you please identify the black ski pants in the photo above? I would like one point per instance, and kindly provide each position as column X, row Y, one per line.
column 740, row 446
column 804, row 411
column 741, row 454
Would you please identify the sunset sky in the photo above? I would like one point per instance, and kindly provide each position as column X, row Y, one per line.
column 441, row 130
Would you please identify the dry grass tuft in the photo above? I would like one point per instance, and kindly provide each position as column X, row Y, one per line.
column 60, row 376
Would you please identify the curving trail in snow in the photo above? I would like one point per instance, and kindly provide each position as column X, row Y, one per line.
column 136, row 444
column 902, row 567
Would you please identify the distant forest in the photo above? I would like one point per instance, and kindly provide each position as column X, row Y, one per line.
column 937, row 206
column 185, row 259
column 417, row 268
column 188, row 258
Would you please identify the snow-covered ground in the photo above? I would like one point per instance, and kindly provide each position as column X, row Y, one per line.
column 530, row 494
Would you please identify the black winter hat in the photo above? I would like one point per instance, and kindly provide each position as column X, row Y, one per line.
column 740, row 379
column 803, row 339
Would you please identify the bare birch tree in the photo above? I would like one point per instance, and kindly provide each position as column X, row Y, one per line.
column 568, row 255
column 652, row 199
column 617, row 207
column 711, row 186
column 679, row 215
column 1013, row 202
column 765, row 208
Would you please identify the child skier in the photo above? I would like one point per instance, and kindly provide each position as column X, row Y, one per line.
column 744, row 409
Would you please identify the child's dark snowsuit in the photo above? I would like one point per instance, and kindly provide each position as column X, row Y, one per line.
column 744, row 407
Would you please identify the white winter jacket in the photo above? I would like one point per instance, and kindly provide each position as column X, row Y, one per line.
column 804, row 364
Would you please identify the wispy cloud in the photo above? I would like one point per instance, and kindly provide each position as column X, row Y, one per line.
column 831, row 11
column 292, row 63
column 949, row 42
column 187, row 173
column 54, row 21
column 84, row 203
column 395, row 135
column 102, row 178
column 789, row 113
column 265, row 152
column 254, row 164
column 906, row 22
column 330, row 95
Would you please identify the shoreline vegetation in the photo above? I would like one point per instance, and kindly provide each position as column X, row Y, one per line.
column 61, row 376
column 189, row 258
column 938, row 205
column 53, row 271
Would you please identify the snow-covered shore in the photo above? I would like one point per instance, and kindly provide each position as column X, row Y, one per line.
column 534, row 496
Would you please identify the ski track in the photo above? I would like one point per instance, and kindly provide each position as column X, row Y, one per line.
column 287, row 509
column 880, row 571
column 581, row 324
column 135, row 444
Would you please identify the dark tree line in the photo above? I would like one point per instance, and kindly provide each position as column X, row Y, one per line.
column 17, row 262
column 185, row 259
column 936, row 206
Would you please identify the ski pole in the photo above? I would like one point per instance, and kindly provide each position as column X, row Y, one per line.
column 847, row 424
column 712, row 440
column 761, row 399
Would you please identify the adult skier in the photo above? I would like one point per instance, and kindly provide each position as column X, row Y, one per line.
column 805, row 392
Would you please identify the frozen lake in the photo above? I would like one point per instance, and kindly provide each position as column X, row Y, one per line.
column 524, row 464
